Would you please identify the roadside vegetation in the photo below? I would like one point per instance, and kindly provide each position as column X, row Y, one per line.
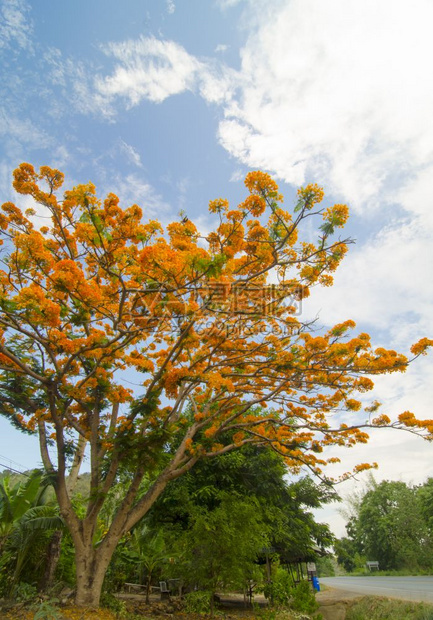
column 391, row 523
column 378, row 608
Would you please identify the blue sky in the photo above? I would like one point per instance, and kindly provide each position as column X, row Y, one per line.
column 170, row 103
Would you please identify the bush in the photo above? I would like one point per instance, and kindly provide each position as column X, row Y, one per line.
column 24, row 592
column 197, row 602
column 47, row 610
column 109, row 601
column 283, row 592
column 303, row 598
column 279, row 591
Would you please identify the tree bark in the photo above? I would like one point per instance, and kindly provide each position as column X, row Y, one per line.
column 53, row 556
column 76, row 465
column 149, row 580
column 91, row 564
column 91, row 568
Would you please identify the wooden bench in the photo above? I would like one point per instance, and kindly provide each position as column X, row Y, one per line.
column 134, row 587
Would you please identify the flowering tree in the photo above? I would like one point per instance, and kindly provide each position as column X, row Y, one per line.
column 221, row 351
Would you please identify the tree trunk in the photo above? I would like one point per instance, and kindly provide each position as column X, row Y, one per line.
column 91, row 568
column 53, row 556
column 149, row 580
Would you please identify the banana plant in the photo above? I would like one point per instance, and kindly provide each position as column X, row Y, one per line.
column 28, row 518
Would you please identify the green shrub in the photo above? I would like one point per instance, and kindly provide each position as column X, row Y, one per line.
column 278, row 591
column 24, row 592
column 109, row 601
column 47, row 610
column 197, row 602
column 303, row 598
column 283, row 593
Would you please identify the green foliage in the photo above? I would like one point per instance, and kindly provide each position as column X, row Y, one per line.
column 279, row 590
column 425, row 497
column 221, row 545
column 251, row 472
column 146, row 549
column 28, row 518
column 303, row 598
column 146, row 552
column 265, row 613
column 120, row 570
column 282, row 592
column 378, row 608
column 47, row 610
column 24, row 592
column 216, row 520
column 197, row 602
column 109, row 601
column 65, row 572
column 16, row 500
column 345, row 551
column 325, row 566
column 390, row 524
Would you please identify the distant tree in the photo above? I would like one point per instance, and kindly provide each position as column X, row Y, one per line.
column 345, row 552
column 425, row 498
column 96, row 290
column 389, row 527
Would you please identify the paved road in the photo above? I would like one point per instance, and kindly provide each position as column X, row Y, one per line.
column 407, row 588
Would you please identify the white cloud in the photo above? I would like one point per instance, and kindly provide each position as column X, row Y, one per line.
column 131, row 153
column 19, row 134
column 73, row 80
column 61, row 157
column 383, row 279
column 237, row 175
column 326, row 91
column 56, row 67
column 336, row 91
column 171, row 7
column 15, row 24
column 154, row 69
column 221, row 47
column 228, row 4
column 148, row 68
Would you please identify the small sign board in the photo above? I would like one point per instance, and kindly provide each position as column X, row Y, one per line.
column 370, row 565
column 311, row 567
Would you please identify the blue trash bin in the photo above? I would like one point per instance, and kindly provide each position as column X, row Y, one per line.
column 316, row 584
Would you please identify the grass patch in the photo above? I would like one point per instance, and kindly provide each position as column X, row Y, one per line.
column 388, row 573
column 378, row 608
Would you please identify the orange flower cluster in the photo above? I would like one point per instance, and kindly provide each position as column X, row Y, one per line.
column 204, row 326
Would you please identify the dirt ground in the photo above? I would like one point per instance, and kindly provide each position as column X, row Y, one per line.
column 232, row 606
column 333, row 606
